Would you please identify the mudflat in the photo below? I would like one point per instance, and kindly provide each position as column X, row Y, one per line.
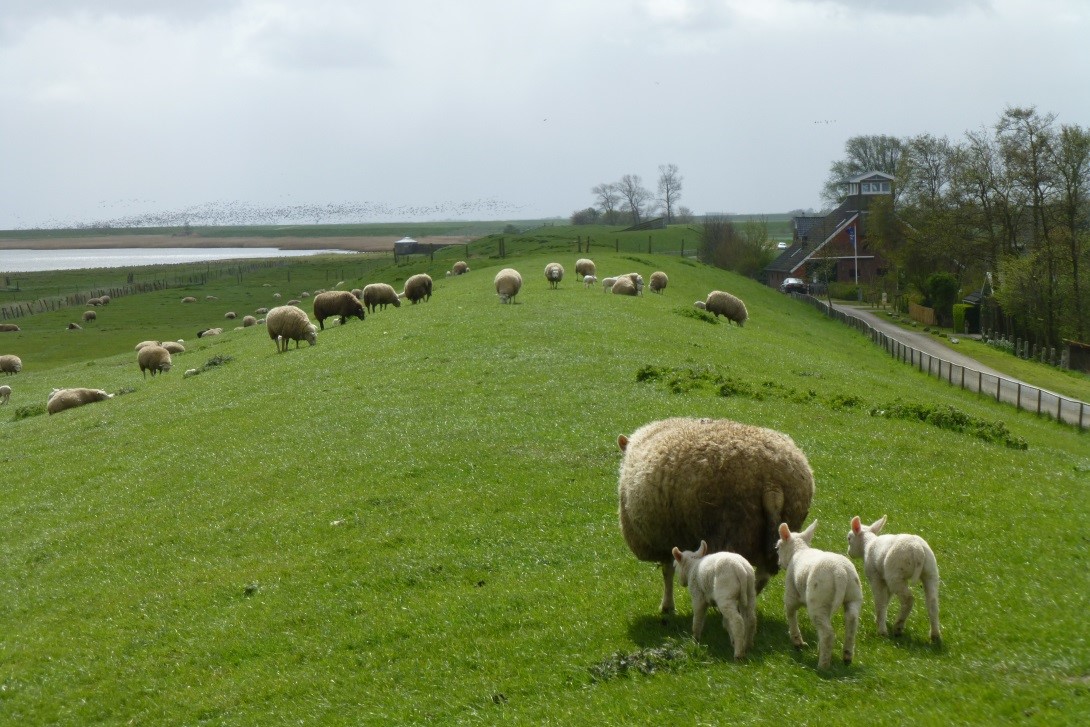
column 358, row 243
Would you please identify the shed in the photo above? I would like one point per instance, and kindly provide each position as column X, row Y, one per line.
column 406, row 246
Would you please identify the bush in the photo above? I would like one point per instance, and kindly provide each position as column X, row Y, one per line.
column 844, row 291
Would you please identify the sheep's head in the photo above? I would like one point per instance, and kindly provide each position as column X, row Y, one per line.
column 857, row 536
column 686, row 560
column 790, row 543
column 312, row 335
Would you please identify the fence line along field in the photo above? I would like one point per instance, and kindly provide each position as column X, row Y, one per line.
column 416, row 519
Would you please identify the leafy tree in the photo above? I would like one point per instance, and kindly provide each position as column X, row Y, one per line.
column 589, row 216
column 862, row 154
column 941, row 292
column 744, row 251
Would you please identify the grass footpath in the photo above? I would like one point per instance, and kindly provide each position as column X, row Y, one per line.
column 415, row 520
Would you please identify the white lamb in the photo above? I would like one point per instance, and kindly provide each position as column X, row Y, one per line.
column 727, row 581
column 589, row 280
column 823, row 582
column 892, row 563
column 607, row 284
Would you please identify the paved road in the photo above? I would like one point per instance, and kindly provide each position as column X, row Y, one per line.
column 970, row 374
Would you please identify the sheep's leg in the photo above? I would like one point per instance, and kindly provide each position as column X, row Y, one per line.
column 904, row 595
column 881, row 604
column 667, row 588
column 851, row 626
column 700, row 609
column 823, row 623
column 931, row 595
column 750, row 617
column 791, row 614
column 735, row 625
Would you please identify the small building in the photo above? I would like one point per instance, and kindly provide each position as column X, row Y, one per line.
column 406, row 246
column 840, row 235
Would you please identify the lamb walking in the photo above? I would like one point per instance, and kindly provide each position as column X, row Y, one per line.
column 726, row 581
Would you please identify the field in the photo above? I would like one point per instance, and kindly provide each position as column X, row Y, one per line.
column 415, row 520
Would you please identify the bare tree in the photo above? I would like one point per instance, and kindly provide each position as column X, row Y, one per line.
column 635, row 196
column 669, row 189
column 607, row 197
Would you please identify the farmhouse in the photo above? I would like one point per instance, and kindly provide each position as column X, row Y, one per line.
column 839, row 236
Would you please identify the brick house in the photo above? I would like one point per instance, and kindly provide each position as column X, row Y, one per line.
column 840, row 235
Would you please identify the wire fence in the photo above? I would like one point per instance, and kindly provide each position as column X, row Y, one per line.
column 1021, row 395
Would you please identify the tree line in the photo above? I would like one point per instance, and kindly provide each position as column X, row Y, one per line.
column 1010, row 200
column 628, row 200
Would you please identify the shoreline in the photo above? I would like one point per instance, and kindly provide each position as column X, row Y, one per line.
column 111, row 242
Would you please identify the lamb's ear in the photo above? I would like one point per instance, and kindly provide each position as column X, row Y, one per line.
column 808, row 533
column 677, row 554
column 877, row 526
column 856, row 525
column 622, row 442
column 703, row 549
column 785, row 532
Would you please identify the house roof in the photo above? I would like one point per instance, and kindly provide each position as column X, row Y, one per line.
column 870, row 177
column 816, row 236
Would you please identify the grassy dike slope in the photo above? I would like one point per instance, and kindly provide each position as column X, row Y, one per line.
column 415, row 521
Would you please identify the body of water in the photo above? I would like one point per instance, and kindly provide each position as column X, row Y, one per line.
column 25, row 261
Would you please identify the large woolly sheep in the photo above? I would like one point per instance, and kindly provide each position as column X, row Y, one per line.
column 89, row 315
column 340, row 303
column 554, row 273
column 105, row 299
column 9, row 328
column 287, row 323
column 358, row 292
column 459, row 268
column 189, row 299
column 658, row 281
column 61, row 399
column 209, row 332
column 173, row 346
column 380, row 295
column 94, row 301
column 230, row 315
column 684, row 480
column 584, row 267
column 248, row 321
column 5, row 394
column 892, row 563
column 624, row 286
column 155, row 359
column 508, row 284
column 824, row 583
column 10, row 364
column 418, row 288
column 725, row 304
column 726, row 581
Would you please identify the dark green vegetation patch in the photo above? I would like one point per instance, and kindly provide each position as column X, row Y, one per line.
column 949, row 418
column 670, row 656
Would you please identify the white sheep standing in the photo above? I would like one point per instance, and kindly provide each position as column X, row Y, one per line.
column 658, row 281
column 585, row 266
column 376, row 296
column 287, row 323
column 155, row 359
column 508, row 284
column 607, row 284
column 10, row 364
column 892, row 563
column 726, row 581
column 725, row 304
column 554, row 273
column 5, row 394
column 823, row 582
column 589, row 280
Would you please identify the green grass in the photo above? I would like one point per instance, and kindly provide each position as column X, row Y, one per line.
column 415, row 520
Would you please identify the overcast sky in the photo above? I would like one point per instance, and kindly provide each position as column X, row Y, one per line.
column 227, row 110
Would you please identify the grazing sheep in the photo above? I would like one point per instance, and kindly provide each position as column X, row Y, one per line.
column 459, row 268
column 293, row 301
column 211, row 297
column 209, row 332
column 358, row 292
column 624, row 286
column 105, row 299
column 153, row 358
column 173, row 346
column 892, row 563
column 658, row 281
column 508, row 284
column 287, row 323
column 5, row 394
column 339, row 303
column 589, row 280
column 230, row 315
column 61, row 399
column 726, row 581
column 89, row 315
column 75, row 327
column 94, row 301
column 824, row 583
column 304, row 294
column 189, row 299
column 418, row 288
column 682, row 480
column 554, row 273
column 142, row 344
column 9, row 328
column 248, row 321
column 699, row 305
column 380, row 295
column 10, row 364
column 725, row 304
column 261, row 311
column 584, row 267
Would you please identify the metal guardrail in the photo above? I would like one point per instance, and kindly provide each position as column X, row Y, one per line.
column 1021, row 395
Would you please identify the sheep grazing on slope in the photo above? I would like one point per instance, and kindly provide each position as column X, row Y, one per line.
column 75, row 327
column 5, row 394
column 726, row 581
column 589, row 280
column 105, row 299
column 61, row 399
column 554, row 273
column 89, row 315
column 624, row 286
column 658, row 281
column 358, row 292
column 189, row 299
column 230, row 315
column 248, row 321
column 418, row 288
column 892, row 563
column 508, row 284
column 10, row 364
column 584, row 267
column 459, row 268
column 824, row 583
column 340, row 303
column 287, row 323
column 155, row 359
column 173, row 346
column 725, row 304
column 380, row 295
column 684, row 480
column 9, row 328
column 94, row 301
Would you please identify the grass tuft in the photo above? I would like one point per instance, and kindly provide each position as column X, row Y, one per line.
column 671, row 656
column 949, row 418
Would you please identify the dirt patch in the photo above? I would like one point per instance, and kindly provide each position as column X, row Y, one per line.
column 359, row 244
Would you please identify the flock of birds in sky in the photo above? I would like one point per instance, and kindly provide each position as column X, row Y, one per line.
column 232, row 213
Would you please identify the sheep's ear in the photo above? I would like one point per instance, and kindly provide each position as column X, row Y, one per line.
column 677, row 554
column 808, row 533
column 622, row 442
column 856, row 525
column 877, row 526
column 785, row 532
column 703, row 549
